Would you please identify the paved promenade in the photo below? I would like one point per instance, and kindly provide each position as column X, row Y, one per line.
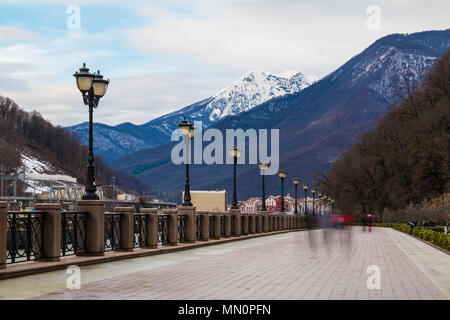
column 297, row 265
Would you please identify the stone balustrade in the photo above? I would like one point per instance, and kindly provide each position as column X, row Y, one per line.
column 145, row 230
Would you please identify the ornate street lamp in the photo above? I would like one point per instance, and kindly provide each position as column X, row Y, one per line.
column 328, row 205
column 92, row 87
column 187, row 131
column 263, row 166
column 305, row 187
column 320, row 204
column 282, row 174
column 313, row 191
column 296, row 182
column 235, row 153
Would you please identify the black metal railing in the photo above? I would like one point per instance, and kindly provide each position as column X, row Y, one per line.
column 233, row 219
column 140, row 236
column 113, row 231
column 163, row 229
column 25, row 235
column 222, row 225
column 73, row 232
column 181, row 228
column 212, row 225
column 198, row 230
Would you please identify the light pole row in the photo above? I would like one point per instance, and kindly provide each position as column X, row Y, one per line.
column 93, row 87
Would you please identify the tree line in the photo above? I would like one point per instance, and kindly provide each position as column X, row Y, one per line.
column 405, row 159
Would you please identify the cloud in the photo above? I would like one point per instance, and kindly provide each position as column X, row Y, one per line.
column 188, row 50
column 314, row 37
column 11, row 33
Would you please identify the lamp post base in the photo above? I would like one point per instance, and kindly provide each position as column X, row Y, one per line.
column 90, row 196
column 187, row 204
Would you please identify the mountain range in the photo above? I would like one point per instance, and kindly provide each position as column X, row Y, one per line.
column 250, row 90
column 316, row 123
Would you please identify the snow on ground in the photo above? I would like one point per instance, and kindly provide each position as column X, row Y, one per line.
column 40, row 175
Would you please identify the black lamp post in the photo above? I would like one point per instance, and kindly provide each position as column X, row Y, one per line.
column 320, row 204
column 305, row 187
column 282, row 174
column 235, row 153
column 313, row 191
column 263, row 166
column 296, row 182
column 187, row 131
column 92, row 87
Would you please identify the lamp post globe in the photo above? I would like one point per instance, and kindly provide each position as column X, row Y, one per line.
column 282, row 174
column 92, row 87
column 263, row 166
column 296, row 181
column 235, row 153
column 187, row 131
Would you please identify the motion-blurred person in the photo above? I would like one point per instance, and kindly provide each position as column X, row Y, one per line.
column 369, row 222
column 325, row 222
column 364, row 222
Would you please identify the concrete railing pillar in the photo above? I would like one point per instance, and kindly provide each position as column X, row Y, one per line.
column 275, row 222
column 51, row 249
column 217, row 225
column 270, row 220
column 3, row 233
column 152, row 227
column 191, row 224
column 95, row 226
column 237, row 221
column 227, row 223
column 204, row 232
column 252, row 223
column 265, row 223
column 259, row 223
column 126, row 227
column 244, row 222
column 173, row 226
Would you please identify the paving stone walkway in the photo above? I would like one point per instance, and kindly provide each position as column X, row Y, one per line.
column 300, row 265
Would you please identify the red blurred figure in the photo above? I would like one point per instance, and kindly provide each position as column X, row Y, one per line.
column 340, row 221
column 369, row 222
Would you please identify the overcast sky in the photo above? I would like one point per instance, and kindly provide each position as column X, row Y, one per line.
column 163, row 55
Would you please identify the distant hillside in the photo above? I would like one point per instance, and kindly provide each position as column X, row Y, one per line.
column 405, row 159
column 316, row 124
column 27, row 133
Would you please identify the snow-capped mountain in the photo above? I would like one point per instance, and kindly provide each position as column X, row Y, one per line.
column 250, row 90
